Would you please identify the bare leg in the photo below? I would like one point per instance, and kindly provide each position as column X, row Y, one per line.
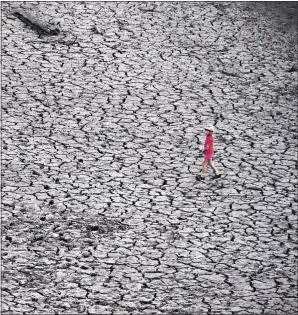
column 210, row 162
column 204, row 166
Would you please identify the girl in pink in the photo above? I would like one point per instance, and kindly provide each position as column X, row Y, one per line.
column 208, row 153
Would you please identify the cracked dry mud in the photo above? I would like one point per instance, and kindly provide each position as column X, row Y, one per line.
column 101, row 211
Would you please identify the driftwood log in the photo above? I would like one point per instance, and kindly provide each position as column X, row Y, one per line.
column 41, row 27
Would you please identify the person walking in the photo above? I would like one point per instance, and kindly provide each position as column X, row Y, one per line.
column 208, row 153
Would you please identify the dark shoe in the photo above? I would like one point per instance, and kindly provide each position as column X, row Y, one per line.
column 200, row 177
column 217, row 175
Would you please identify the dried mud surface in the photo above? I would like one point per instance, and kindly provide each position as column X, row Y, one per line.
column 101, row 209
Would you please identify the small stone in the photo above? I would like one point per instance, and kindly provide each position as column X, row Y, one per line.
column 86, row 254
column 49, row 216
column 264, row 285
column 93, row 227
column 38, row 237
column 67, row 238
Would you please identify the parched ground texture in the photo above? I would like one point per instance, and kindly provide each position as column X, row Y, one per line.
column 101, row 209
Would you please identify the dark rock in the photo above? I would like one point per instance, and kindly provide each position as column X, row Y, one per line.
column 93, row 227
column 38, row 237
column 293, row 68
